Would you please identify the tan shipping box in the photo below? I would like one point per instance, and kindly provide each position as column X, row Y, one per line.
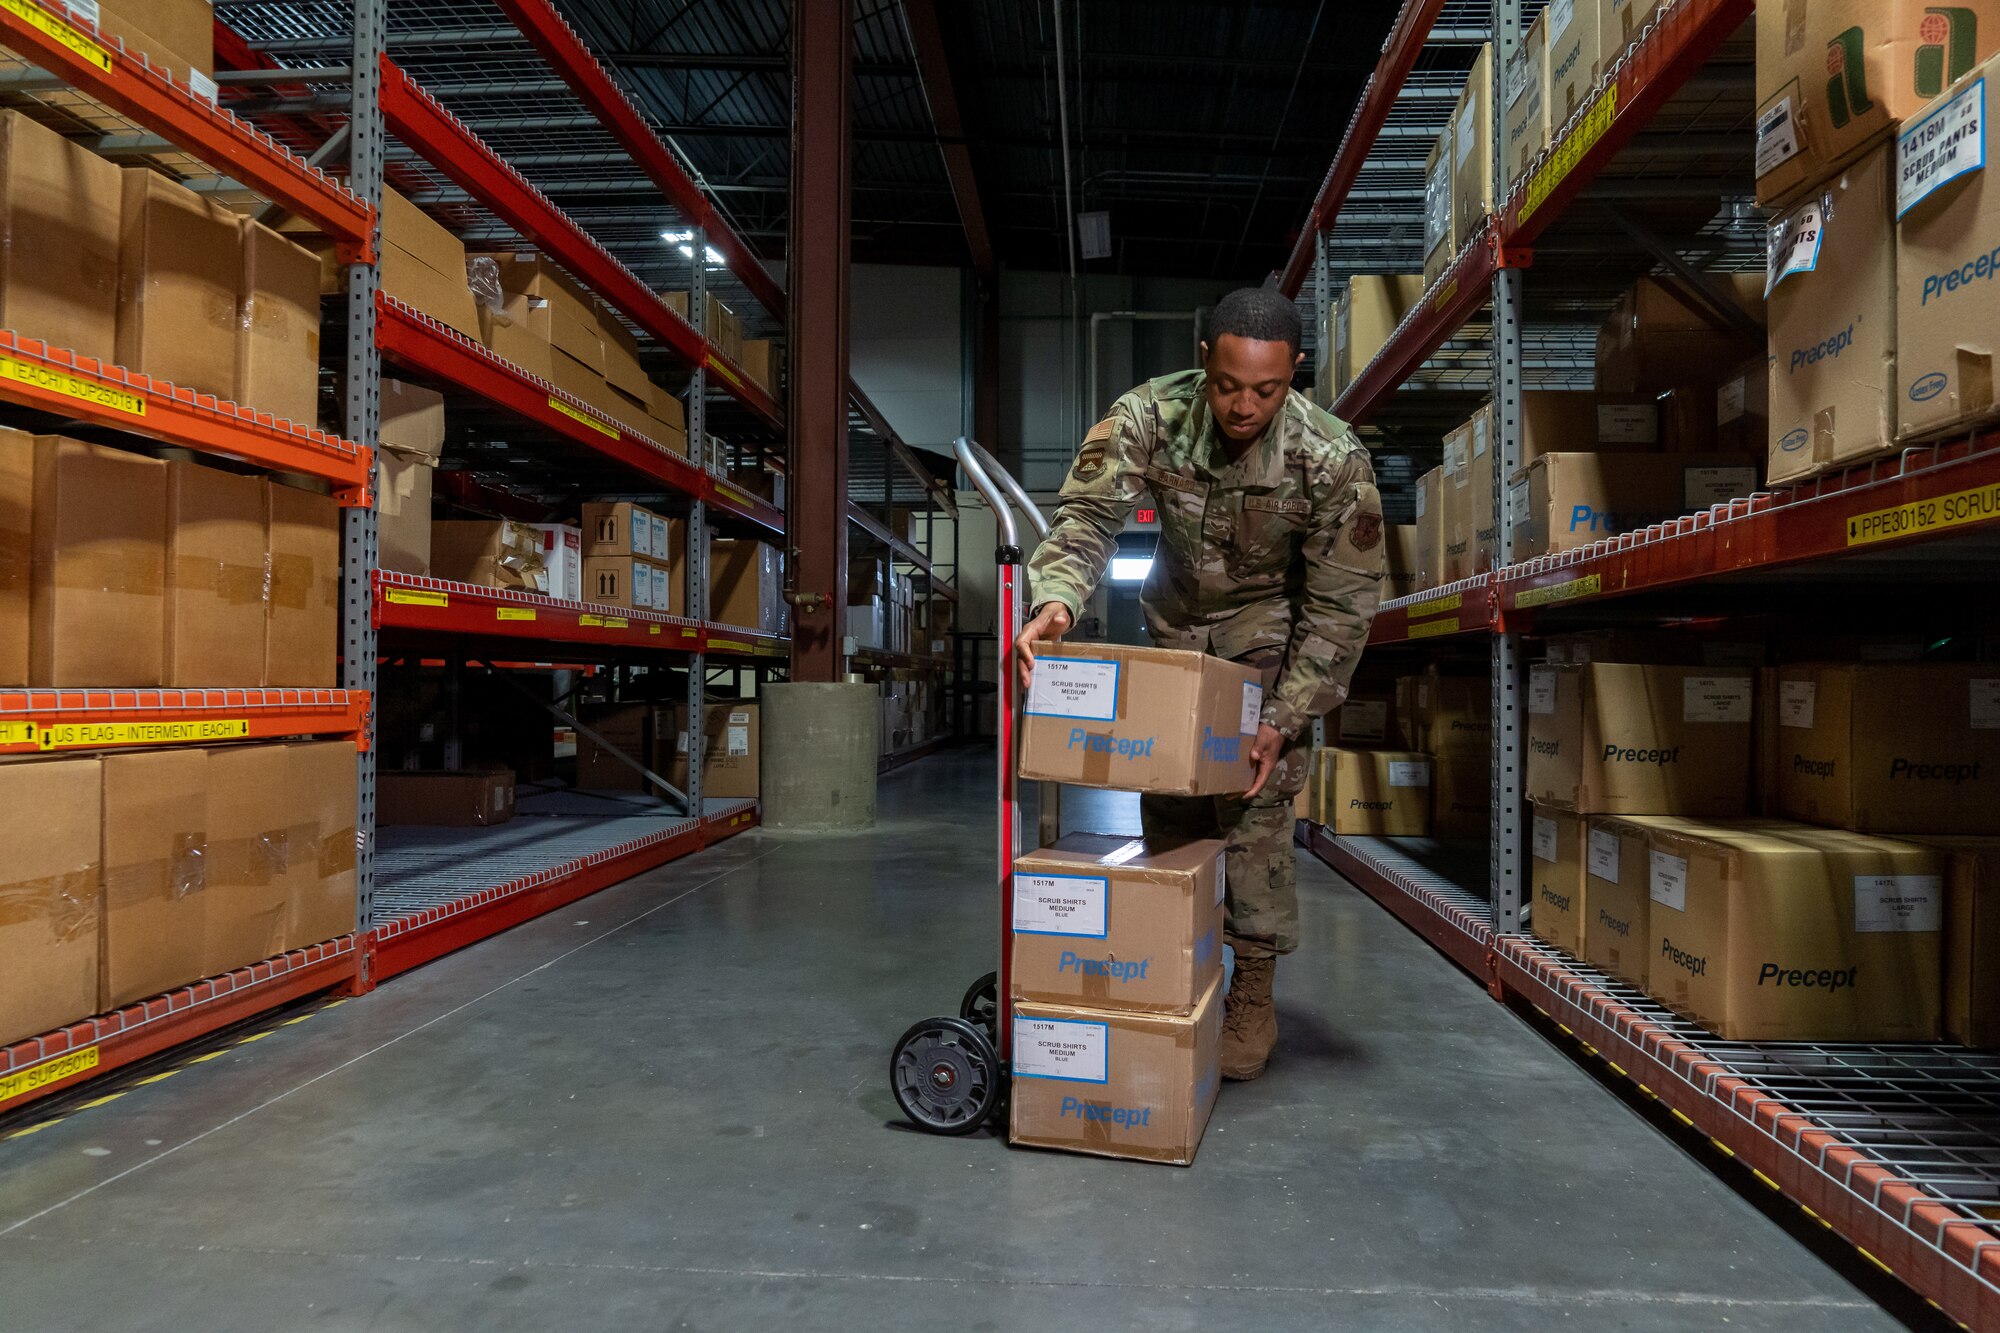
column 1559, row 910
column 423, row 266
column 1430, row 529
column 1971, row 938
column 1374, row 793
column 746, row 585
column 1468, row 529
column 1654, row 341
column 1454, row 713
column 277, row 328
column 1403, row 554
column 518, row 332
column 175, row 35
column 1619, row 24
column 412, row 419
column 1120, row 923
column 403, row 512
column 635, row 582
column 49, row 934
column 320, row 885
column 1369, row 309
column 1563, row 501
column 1472, row 148
column 155, row 872
column 627, row 729
column 560, row 314
column 1568, row 421
column 759, row 359
column 17, row 551
column 1439, row 246
column 623, row 528
column 1834, row 77
column 1890, row 748
column 472, row 798
column 178, row 271
column 732, row 746
column 1777, row 932
column 490, row 553
column 1622, row 739
column 1525, row 101
column 1574, row 58
column 302, row 638
column 60, row 210
column 622, row 370
column 1461, row 797
column 1116, row 1083
column 1833, row 398
column 99, row 572
column 252, row 826
column 1616, row 859
column 1140, row 719
column 217, row 546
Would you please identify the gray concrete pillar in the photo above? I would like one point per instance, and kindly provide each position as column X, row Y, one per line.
column 818, row 765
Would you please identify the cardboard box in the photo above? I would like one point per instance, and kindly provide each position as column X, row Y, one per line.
column 1461, row 797
column 49, row 932
column 490, row 553
column 1563, row 501
column 722, row 327
column 623, row 529
column 1622, row 739
column 1949, row 229
column 423, row 266
column 1560, row 910
column 626, row 728
column 622, row 370
column 519, row 332
column 1430, row 529
column 256, row 833
column 759, row 361
column 402, row 513
column 97, row 581
column 627, row 581
column 470, row 799
column 302, row 636
column 1403, row 555
column 1891, row 748
column 1743, row 409
column 746, row 585
column 1468, row 528
column 17, row 551
column 178, row 270
column 1835, row 77
column 277, row 330
column 1454, row 714
column 1118, row 923
column 1472, row 148
column 1525, row 101
column 563, row 315
column 1140, row 719
column 320, row 902
column 1568, row 421
column 1440, row 248
column 732, row 745
column 1362, row 721
column 1375, row 793
column 1654, row 340
column 175, row 35
column 155, row 872
column 60, row 210
column 412, row 419
column 1616, row 862
column 1971, row 938
column 1619, row 24
column 1574, row 58
column 217, row 546
column 562, row 558
column 1116, row 1083
column 1369, row 309
column 1775, row 932
column 1832, row 378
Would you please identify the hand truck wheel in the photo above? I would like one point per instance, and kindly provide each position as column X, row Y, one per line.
column 945, row 1076
column 981, row 1005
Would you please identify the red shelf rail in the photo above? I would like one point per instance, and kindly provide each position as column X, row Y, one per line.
column 736, row 641
column 1464, row 607
column 414, row 602
column 1452, row 299
column 37, row 721
column 100, row 66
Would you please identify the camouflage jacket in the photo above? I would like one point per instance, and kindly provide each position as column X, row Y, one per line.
column 1277, row 554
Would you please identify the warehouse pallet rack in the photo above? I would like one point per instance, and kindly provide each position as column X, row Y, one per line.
column 1891, row 1147
column 418, row 899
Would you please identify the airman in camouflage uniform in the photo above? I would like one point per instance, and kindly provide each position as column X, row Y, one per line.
column 1269, row 554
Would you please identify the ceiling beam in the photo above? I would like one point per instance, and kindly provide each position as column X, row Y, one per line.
column 934, row 73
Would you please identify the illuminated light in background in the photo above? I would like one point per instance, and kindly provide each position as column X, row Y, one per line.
column 1130, row 568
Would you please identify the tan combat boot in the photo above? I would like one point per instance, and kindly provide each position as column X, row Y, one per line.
column 1249, row 1022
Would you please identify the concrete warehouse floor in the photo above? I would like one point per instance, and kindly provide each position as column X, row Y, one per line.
column 667, row 1107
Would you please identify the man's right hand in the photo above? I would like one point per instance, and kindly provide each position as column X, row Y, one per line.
column 1051, row 622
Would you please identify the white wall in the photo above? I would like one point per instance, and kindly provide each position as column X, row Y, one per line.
column 903, row 349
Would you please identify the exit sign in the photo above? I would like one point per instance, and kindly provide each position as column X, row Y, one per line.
column 1147, row 516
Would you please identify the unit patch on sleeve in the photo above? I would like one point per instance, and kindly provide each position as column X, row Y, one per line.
column 1089, row 461
column 1364, row 531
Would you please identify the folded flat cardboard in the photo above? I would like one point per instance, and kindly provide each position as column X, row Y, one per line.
column 746, row 585
column 17, row 550
column 1461, row 797
column 1468, row 528
column 1116, row 1083
column 1947, row 237
column 179, row 268
column 1559, row 910
column 403, row 512
column 1430, row 529
column 492, row 553
column 319, row 877
column 155, row 872
column 1622, row 739
column 49, row 932
column 216, row 551
column 1777, row 932
column 1375, row 793
column 1832, row 377
column 1834, row 78
column 302, row 637
column 1657, row 338
column 1369, row 309
column 1890, row 748
column 253, row 827
column 59, row 233
column 1574, row 58
column 1118, row 923
column 1524, row 91
column 1566, row 420
column 1439, row 247
column 277, row 329
column 412, row 419
column 1616, row 861
column 1140, row 719
column 473, row 798
column 97, row 581
column 1563, row 501
column 1971, row 938
column 1472, row 147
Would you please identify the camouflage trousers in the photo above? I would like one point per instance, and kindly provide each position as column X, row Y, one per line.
column 1262, row 882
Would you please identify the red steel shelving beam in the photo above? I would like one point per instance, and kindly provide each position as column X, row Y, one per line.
column 36, row 721
column 1452, row 300
column 1399, row 56
column 1464, row 607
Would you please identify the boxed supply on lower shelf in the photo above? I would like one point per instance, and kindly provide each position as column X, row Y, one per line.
column 731, row 747
column 1140, row 719
column 1620, row 738
column 746, row 585
column 466, row 799
column 49, row 933
column 1562, row 500
column 1373, row 793
column 1556, row 910
column 489, row 553
column 1116, row 1083
column 1117, row 922
column 1971, row 938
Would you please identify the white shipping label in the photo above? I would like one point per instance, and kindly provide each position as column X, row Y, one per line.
column 1715, row 699
column 1481, row 429
column 1515, row 81
column 1941, row 147
column 737, row 719
column 1986, row 705
column 1221, row 877
column 681, row 743
column 1668, row 884
column 1437, row 200
column 1062, row 904
column 1253, row 708
column 1465, row 135
column 1729, row 401
column 1560, row 14
column 499, row 799
column 1604, row 855
column 1705, row 486
column 739, row 742
column 1628, row 423
column 1541, row 690
column 1793, row 245
column 1364, row 720
column 1545, row 838
column 639, row 532
column 1061, row 1048
column 1420, row 502
column 1074, row 687
column 1885, row 903
column 201, row 86
column 1777, row 137
column 1795, row 702
column 1409, row 772
column 1517, row 501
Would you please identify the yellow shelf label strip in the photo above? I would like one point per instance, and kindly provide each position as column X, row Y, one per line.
column 1431, row 629
column 513, row 613
column 36, row 1077
column 1587, row 586
column 35, row 17
column 1978, row 505
column 602, row 428
column 1436, row 606
column 92, row 735
column 1571, row 151
column 17, row 733
column 50, row 379
column 418, row 597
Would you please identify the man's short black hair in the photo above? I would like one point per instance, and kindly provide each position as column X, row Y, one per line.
column 1261, row 314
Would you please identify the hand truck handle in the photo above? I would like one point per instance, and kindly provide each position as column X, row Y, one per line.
column 981, row 468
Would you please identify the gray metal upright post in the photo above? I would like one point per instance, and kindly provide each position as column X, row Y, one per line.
column 362, row 424
column 697, row 522
column 1508, row 825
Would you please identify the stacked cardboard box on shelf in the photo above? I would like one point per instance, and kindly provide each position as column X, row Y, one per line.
column 1368, row 311
column 412, row 438
column 633, row 557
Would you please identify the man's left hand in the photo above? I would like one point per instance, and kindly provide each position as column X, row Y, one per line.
column 1264, row 753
